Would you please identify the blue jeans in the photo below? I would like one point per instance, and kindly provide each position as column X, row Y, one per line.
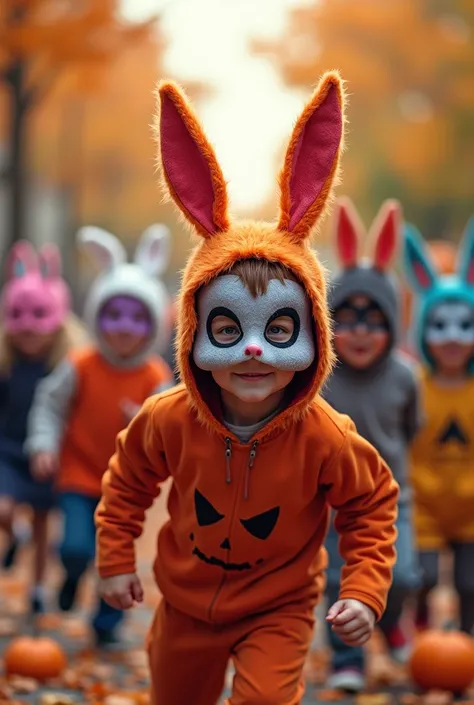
column 406, row 579
column 78, row 550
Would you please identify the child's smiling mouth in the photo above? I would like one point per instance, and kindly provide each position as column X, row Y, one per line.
column 252, row 376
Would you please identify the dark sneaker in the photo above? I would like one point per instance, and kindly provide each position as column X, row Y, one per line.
column 67, row 594
column 106, row 638
column 37, row 605
column 10, row 554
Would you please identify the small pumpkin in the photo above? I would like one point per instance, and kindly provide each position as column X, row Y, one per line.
column 40, row 658
column 443, row 660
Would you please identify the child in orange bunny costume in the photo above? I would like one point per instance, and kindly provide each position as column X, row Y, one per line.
column 256, row 456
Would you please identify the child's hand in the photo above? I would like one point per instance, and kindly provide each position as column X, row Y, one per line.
column 129, row 408
column 352, row 621
column 121, row 591
column 44, row 465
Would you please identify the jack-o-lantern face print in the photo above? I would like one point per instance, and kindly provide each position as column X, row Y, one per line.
column 259, row 526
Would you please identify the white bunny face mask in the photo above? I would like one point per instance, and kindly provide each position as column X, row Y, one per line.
column 127, row 297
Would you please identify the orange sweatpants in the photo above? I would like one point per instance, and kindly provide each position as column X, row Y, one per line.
column 188, row 658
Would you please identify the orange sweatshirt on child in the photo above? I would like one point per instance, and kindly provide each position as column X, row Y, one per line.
column 97, row 415
column 235, row 548
column 79, row 410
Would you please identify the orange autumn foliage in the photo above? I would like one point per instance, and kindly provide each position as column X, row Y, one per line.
column 99, row 144
column 409, row 67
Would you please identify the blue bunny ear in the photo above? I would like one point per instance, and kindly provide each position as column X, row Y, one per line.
column 418, row 266
column 466, row 255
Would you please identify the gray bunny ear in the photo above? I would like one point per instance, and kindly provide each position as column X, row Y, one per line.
column 105, row 249
column 153, row 250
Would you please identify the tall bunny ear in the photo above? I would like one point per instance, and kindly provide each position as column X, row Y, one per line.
column 50, row 261
column 312, row 158
column 192, row 175
column 385, row 234
column 22, row 259
column 153, row 250
column 348, row 232
column 105, row 249
column 466, row 254
column 418, row 267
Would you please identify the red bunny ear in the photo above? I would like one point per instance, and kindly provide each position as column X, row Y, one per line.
column 385, row 234
column 348, row 232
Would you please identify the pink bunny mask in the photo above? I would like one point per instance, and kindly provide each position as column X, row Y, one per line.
column 35, row 297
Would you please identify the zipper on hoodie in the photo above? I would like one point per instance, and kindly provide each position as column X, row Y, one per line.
column 252, row 456
column 249, row 466
column 228, row 458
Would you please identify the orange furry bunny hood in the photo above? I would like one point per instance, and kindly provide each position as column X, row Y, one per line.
column 193, row 179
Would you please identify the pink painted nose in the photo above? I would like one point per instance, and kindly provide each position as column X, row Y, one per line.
column 253, row 350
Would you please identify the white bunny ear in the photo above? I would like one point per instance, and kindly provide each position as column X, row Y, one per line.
column 153, row 250
column 106, row 250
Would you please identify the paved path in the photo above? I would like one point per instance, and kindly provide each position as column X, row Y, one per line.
column 99, row 679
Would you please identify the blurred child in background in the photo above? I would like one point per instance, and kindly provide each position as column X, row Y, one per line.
column 444, row 255
column 81, row 407
column 443, row 453
column 376, row 386
column 37, row 331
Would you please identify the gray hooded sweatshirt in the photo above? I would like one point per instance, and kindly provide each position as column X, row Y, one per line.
column 382, row 400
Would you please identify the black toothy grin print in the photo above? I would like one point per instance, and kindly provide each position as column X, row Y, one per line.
column 212, row 560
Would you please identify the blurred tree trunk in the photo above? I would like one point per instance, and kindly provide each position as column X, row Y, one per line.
column 50, row 36
column 16, row 159
column 15, row 77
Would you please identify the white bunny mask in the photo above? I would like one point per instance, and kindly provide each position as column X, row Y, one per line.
column 137, row 279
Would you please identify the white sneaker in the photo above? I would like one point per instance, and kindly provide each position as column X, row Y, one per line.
column 401, row 654
column 351, row 680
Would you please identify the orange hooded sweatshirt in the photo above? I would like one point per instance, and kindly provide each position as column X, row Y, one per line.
column 248, row 520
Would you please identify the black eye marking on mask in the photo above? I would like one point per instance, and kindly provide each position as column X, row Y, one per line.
column 361, row 317
column 291, row 313
column 223, row 311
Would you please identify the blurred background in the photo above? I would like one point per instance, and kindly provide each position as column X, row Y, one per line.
column 76, row 104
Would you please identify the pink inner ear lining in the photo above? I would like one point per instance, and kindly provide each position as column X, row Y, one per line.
column 314, row 155
column 422, row 276
column 24, row 252
column 387, row 239
column 470, row 273
column 185, row 166
column 347, row 238
column 51, row 257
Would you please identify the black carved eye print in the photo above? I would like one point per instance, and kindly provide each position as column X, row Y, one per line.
column 262, row 525
column 206, row 514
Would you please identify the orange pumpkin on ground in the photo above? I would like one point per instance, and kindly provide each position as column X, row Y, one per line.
column 443, row 660
column 39, row 658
